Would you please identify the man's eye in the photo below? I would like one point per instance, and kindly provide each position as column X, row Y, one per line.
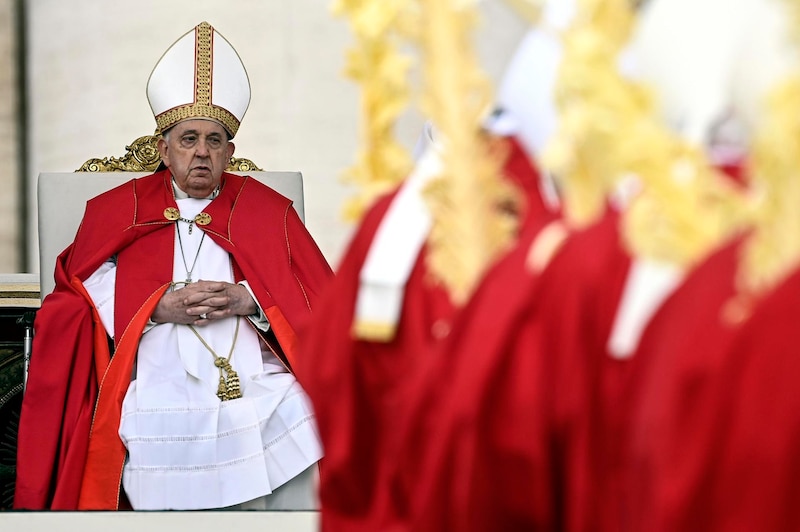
column 214, row 142
column 188, row 140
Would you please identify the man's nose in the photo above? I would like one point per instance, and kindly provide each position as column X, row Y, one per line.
column 202, row 149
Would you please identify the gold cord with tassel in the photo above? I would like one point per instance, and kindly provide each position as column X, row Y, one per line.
column 229, row 385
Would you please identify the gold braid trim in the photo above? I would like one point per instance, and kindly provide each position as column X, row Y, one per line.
column 469, row 229
column 375, row 63
column 202, row 66
column 609, row 129
column 374, row 331
column 169, row 118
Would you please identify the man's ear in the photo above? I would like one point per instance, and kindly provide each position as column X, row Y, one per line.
column 230, row 149
column 162, row 151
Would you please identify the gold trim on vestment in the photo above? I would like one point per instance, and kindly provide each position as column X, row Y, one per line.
column 374, row 331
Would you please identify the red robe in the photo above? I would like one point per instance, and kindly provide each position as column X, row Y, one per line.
column 467, row 462
column 522, row 425
column 713, row 442
column 584, row 289
column 755, row 475
column 360, row 389
column 70, row 411
column 669, row 403
column 508, row 431
column 625, row 429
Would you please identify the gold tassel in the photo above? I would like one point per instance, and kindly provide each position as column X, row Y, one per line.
column 222, row 389
column 234, row 390
column 229, row 386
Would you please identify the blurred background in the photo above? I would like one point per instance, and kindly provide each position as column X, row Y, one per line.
column 72, row 87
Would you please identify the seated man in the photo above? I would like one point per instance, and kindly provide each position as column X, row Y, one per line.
column 163, row 357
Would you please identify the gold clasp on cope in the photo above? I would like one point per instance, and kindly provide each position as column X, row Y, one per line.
column 172, row 214
column 203, row 218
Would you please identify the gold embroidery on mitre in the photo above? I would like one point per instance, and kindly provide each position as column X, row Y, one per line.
column 169, row 118
column 202, row 67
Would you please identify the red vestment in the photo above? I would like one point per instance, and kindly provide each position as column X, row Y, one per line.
column 506, row 433
column 754, row 467
column 523, row 424
column 360, row 389
column 71, row 407
column 357, row 387
column 462, row 431
column 671, row 420
column 579, row 307
column 621, row 419
column 713, row 442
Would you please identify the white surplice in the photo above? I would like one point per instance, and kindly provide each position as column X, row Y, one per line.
column 186, row 448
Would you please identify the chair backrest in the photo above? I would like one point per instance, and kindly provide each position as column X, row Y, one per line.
column 62, row 200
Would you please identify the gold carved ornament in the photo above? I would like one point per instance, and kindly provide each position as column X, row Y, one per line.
column 142, row 156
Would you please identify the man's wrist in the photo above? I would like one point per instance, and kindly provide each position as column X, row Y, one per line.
column 258, row 318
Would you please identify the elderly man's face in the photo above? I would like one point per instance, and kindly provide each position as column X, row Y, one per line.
column 196, row 152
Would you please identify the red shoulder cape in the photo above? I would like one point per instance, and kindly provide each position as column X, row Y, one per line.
column 269, row 247
column 755, row 475
column 674, row 426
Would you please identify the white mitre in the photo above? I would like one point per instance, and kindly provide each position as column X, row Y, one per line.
column 200, row 76
column 767, row 54
column 687, row 50
column 526, row 89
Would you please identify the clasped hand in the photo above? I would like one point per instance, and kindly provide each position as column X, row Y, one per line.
column 213, row 299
